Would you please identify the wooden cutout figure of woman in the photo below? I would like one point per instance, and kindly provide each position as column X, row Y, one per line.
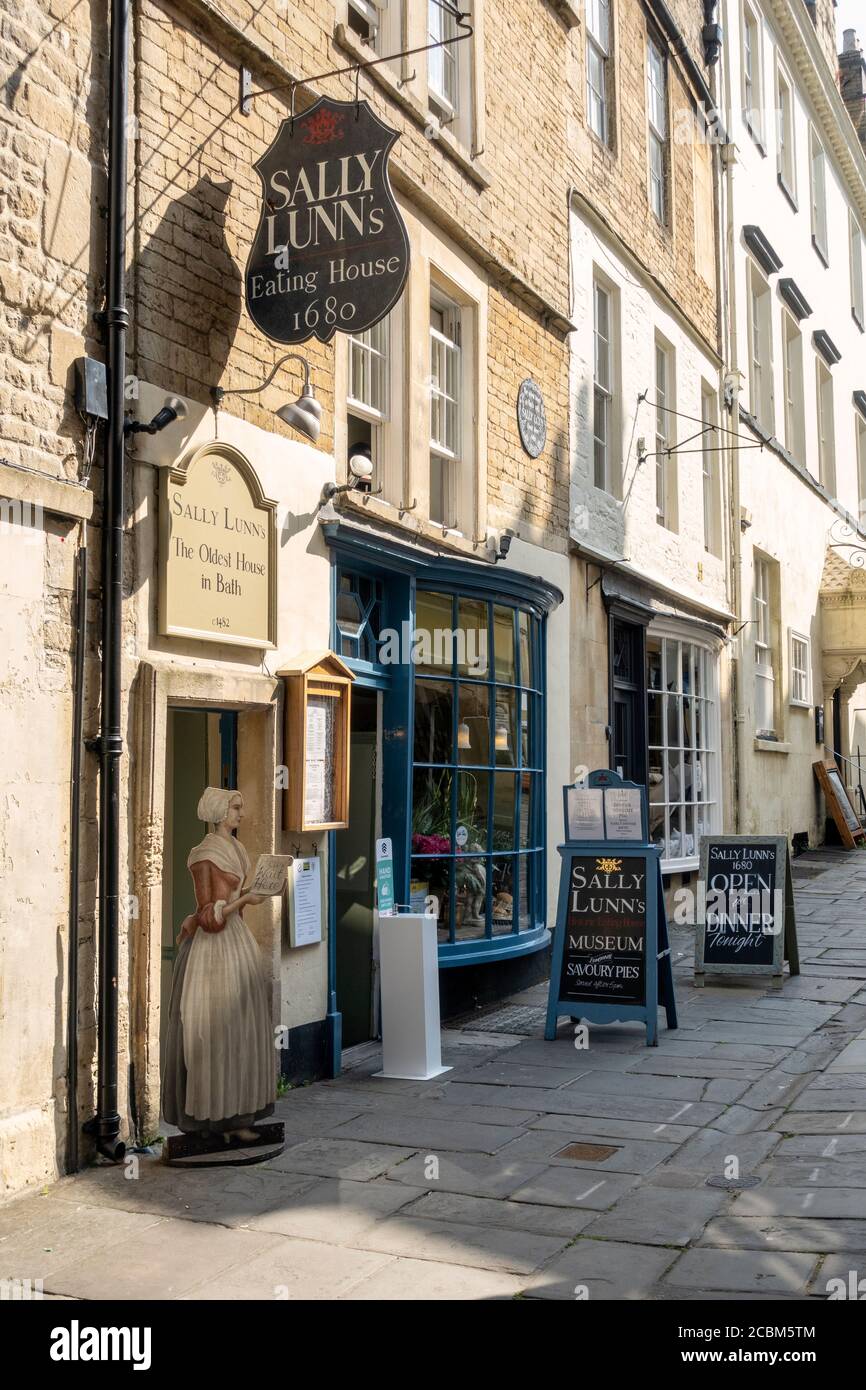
column 219, row 1074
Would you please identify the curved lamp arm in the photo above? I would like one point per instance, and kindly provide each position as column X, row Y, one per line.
column 217, row 392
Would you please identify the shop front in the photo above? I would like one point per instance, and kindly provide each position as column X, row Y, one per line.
column 447, row 757
column 665, row 726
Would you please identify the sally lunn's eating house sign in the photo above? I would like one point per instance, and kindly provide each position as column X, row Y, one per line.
column 331, row 253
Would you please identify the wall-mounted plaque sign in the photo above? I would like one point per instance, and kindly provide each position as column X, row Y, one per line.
column 745, row 918
column 218, row 550
column 531, row 418
column 331, row 252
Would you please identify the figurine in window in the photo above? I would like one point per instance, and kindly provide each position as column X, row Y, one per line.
column 219, row 1073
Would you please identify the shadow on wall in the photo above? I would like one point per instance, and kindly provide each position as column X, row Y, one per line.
column 189, row 291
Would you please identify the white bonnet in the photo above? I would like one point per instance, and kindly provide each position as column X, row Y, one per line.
column 213, row 806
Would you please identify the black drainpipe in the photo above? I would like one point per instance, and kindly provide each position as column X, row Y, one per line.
column 105, row 1125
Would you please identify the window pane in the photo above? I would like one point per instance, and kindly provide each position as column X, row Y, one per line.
column 505, row 728
column 504, row 810
column 431, row 811
column 502, row 874
column 434, row 711
column 473, row 791
column 472, row 639
column 432, row 878
column 470, row 907
column 528, row 791
column 434, row 624
column 473, row 733
column 503, row 644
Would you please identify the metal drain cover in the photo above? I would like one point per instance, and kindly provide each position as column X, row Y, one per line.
column 596, row 1152
column 733, row 1184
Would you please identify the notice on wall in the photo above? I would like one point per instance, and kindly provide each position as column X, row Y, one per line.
column 604, row 955
column 217, row 551
column 305, row 901
column 319, row 708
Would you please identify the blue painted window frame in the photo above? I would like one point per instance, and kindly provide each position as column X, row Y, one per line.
column 403, row 571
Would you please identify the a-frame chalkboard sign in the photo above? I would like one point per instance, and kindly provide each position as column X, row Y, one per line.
column 611, row 958
column 745, row 911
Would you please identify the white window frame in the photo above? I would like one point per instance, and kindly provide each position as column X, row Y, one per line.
column 792, row 388
column 860, row 424
column 801, row 670
column 599, row 20
column 705, row 770
column 446, row 405
column 826, row 418
column 604, row 358
column 657, row 129
column 443, row 64
column 818, row 191
column 371, row 352
column 665, row 430
column 765, row 666
column 753, row 74
column 710, row 470
column 786, row 134
column 384, row 345
column 377, row 15
column 760, row 326
column 856, row 238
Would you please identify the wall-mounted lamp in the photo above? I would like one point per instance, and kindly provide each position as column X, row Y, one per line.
column 173, row 409
column 304, row 414
column 360, row 468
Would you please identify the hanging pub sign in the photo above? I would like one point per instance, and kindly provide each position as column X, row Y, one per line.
column 745, row 917
column 331, row 252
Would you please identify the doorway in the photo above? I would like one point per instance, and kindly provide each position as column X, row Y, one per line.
column 355, row 876
column 201, row 751
column 628, row 700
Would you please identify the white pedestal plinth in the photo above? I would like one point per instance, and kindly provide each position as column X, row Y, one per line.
column 409, row 978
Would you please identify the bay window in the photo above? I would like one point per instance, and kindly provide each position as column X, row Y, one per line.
column 683, row 745
column 477, row 840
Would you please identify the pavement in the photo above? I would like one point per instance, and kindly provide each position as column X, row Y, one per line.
column 532, row 1169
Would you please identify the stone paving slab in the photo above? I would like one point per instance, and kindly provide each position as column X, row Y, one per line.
column 292, row 1270
column 825, row 1122
column 604, row 1269
column 424, row 1280
column 485, row 1247
column 339, row 1158
column 743, row 1271
column 637, row 1156
column 824, row 1146
column 484, row 1211
column 166, row 1261
column 475, row 1174
column 612, row 1128
column 824, row 1202
column 571, row 1100
column 41, row 1236
column 591, row 1188
column 228, row 1196
column 659, row 1216
column 334, row 1210
column 786, row 1233
column 421, row 1133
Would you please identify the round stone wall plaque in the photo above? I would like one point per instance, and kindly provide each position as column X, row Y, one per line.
column 531, row 418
